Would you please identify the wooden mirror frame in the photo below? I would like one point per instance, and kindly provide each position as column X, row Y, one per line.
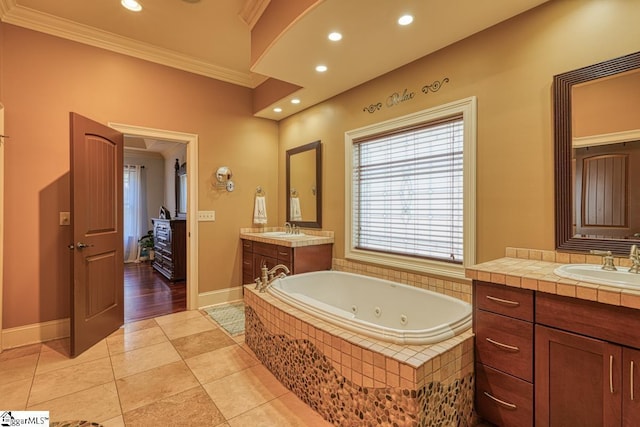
column 317, row 146
column 562, row 85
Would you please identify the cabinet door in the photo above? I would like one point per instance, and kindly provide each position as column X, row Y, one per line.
column 578, row 380
column 630, row 387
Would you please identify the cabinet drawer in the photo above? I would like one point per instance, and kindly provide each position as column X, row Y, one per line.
column 247, row 245
column 505, row 343
column 265, row 249
column 284, row 254
column 499, row 299
column 502, row 399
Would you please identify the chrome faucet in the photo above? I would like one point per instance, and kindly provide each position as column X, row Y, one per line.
column 268, row 276
column 288, row 228
column 634, row 256
column 607, row 259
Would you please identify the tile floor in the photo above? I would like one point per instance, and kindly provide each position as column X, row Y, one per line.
column 179, row 369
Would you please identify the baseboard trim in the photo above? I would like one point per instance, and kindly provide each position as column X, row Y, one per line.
column 219, row 297
column 35, row 333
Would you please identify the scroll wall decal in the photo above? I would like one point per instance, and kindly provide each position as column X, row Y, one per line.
column 406, row 95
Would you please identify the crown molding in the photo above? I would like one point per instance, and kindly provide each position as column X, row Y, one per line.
column 49, row 24
column 252, row 10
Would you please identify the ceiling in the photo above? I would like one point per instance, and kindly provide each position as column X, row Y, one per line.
column 208, row 37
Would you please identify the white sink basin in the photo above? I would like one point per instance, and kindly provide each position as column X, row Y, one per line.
column 591, row 273
column 281, row 235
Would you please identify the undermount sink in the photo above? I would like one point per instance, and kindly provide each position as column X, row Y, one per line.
column 281, row 235
column 592, row 273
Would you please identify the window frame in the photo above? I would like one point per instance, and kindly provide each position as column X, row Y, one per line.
column 465, row 107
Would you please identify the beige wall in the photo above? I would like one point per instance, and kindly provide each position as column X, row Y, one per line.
column 43, row 79
column 509, row 68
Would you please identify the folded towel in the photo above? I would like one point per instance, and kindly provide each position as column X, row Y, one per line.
column 260, row 210
column 295, row 213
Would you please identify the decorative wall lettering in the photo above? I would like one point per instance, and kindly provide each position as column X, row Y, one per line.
column 395, row 98
column 373, row 107
column 406, row 95
column 435, row 86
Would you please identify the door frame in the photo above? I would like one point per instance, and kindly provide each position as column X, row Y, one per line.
column 2, row 141
column 191, row 140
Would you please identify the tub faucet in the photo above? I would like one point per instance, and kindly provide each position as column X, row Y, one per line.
column 634, row 256
column 268, row 276
column 607, row 259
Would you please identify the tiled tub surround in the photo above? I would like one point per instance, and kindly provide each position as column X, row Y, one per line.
column 533, row 269
column 354, row 380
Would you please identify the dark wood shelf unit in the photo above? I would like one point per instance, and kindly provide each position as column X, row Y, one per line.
column 170, row 246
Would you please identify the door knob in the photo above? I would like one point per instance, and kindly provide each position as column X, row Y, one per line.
column 81, row 245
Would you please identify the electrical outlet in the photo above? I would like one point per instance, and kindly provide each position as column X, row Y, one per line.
column 206, row 215
column 65, row 218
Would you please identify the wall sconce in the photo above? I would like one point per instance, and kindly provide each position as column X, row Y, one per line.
column 223, row 176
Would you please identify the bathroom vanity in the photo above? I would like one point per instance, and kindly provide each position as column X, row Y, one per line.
column 300, row 253
column 553, row 351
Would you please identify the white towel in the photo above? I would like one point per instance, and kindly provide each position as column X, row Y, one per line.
column 260, row 210
column 295, row 213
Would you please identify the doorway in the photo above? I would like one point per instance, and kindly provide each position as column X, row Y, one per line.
column 143, row 274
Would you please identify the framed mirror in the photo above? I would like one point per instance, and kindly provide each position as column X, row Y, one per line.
column 181, row 190
column 304, row 185
column 596, row 132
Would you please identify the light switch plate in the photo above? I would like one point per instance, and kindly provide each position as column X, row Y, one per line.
column 65, row 218
column 206, row 215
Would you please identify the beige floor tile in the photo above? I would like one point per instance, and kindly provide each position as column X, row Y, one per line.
column 137, row 339
column 114, row 422
column 155, row 384
column 287, row 410
column 178, row 317
column 189, row 326
column 239, row 339
column 19, row 368
column 61, row 382
column 189, row 408
column 55, row 357
column 244, row 390
column 193, row 345
column 14, row 353
column 217, row 364
column 14, row 395
column 95, row 404
column 143, row 359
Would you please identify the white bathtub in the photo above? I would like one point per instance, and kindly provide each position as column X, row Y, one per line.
column 376, row 308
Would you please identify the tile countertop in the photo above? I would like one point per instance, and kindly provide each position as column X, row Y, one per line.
column 311, row 237
column 537, row 275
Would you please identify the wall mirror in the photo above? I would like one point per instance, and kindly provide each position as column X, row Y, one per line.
column 597, row 150
column 181, row 190
column 304, row 185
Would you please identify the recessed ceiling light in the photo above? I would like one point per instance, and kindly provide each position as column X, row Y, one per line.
column 321, row 68
column 295, row 101
column 132, row 5
column 335, row 36
column 277, row 110
column 405, row 20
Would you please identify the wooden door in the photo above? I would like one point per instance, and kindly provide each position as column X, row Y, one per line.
column 630, row 387
column 97, row 277
column 578, row 380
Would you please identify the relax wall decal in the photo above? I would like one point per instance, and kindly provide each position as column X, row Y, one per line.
column 397, row 98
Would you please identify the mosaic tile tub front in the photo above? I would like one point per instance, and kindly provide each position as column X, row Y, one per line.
column 352, row 380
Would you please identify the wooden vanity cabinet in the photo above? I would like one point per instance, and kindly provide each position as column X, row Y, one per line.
column 503, row 324
column 298, row 260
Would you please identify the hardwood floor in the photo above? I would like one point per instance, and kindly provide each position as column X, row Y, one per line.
column 148, row 293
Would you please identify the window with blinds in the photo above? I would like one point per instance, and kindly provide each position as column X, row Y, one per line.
column 407, row 193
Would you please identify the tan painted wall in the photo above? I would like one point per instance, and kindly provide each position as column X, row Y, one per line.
column 43, row 79
column 509, row 68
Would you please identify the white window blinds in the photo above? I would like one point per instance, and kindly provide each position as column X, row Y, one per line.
column 407, row 191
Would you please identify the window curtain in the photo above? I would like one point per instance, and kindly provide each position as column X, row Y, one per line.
column 135, row 210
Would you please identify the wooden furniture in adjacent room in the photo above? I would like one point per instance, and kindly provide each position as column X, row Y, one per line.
column 170, row 246
column 300, row 259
